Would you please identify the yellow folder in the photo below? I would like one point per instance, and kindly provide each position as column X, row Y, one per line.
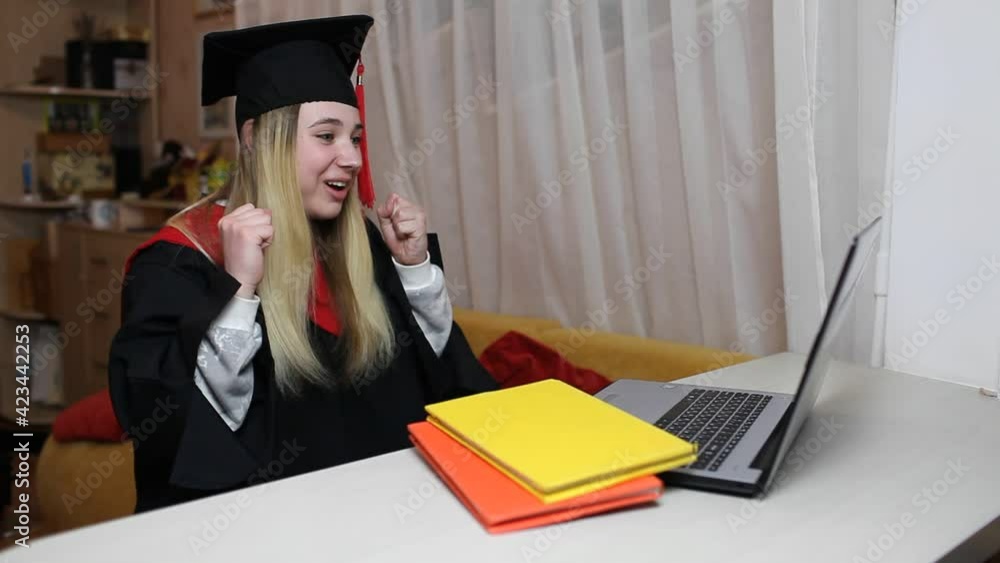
column 557, row 441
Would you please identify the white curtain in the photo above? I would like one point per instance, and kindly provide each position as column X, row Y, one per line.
column 610, row 163
column 834, row 87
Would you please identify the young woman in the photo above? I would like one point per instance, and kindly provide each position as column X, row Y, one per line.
column 271, row 329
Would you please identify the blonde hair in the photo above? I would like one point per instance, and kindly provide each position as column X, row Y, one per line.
column 266, row 177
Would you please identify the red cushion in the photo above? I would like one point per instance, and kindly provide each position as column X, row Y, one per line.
column 515, row 359
column 91, row 418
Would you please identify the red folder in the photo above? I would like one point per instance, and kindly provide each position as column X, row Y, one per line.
column 502, row 505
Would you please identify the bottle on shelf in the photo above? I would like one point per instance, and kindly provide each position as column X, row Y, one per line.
column 27, row 178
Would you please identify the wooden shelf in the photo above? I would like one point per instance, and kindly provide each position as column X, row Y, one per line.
column 64, row 205
column 154, row 204
column 25, row 316
column 67, row 92
column 27, row 205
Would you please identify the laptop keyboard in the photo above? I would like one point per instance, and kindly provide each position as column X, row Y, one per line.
column 715, row 420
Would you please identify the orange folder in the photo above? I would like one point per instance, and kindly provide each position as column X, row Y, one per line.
column 501, row 504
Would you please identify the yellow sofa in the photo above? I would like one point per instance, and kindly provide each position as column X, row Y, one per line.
column 82, row 483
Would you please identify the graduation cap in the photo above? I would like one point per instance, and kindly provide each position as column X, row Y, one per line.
column 276, row 65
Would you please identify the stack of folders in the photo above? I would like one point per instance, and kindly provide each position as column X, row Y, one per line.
column 544, row 453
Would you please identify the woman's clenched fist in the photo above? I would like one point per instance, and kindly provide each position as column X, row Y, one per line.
column 245, row 233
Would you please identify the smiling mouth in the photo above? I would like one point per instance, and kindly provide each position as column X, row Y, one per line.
column 337, row 186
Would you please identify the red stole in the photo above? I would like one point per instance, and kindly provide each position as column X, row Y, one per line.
column 203, row 224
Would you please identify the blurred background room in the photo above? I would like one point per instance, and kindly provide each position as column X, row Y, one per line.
column 651, row 188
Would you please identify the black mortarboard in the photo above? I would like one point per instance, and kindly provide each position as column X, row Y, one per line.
column 276, row 65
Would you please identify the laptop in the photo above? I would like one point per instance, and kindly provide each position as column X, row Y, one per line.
column 743, row 436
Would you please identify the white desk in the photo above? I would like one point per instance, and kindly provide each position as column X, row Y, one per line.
column 866, row 476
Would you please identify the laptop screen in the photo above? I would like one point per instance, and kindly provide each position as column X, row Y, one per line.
column 818, row 363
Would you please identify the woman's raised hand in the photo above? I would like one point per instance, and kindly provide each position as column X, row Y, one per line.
column 404, row 228
column 245, row 233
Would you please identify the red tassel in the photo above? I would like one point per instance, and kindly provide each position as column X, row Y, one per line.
column 366, row 189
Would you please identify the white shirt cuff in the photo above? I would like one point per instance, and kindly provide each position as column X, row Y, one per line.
column 417, row 276
column 239, row 314
column 426, row 290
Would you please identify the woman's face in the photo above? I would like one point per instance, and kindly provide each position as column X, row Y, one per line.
column 328, row 156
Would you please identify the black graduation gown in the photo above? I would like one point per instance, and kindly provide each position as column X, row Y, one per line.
column 183, row 448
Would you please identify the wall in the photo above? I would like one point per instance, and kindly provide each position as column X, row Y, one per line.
column 943, row 304
column 179, row 32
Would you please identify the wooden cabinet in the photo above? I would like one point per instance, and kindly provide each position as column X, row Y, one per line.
column 88, row 279
column 68, row 284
